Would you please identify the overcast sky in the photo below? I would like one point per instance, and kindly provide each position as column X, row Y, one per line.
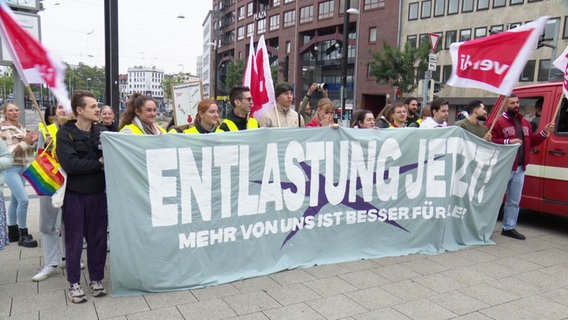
column 150, row 32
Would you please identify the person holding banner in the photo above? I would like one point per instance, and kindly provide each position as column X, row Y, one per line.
column 324, row 115
column 282, row 115
column 79, row 152
column 207, row 118
column 399, row 115
column 239, row 119
column 364, row 119
column 440, row 110
column 107, row 119
column 476, row 113
column 22, row 145
column 384, row 118
column 140, row 116
column 411, row 105
column 513, row 128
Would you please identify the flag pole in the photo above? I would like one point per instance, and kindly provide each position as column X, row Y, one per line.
column 558, row 107
column 498, row 114
column 36, row 106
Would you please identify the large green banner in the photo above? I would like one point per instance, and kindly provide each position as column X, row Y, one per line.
column 190, row 211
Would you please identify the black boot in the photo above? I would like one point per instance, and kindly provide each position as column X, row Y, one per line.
column 13, row 233
column 26, row 240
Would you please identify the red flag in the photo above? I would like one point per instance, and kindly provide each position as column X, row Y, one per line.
column 258, row 77
column 562, row 63
column 34, row 63
column 494, row 63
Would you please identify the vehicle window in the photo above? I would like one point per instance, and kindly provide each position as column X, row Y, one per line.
column 562, row 119
column 531, row 108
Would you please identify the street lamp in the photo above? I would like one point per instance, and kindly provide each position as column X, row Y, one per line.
column 88, row 84
column 344, row 53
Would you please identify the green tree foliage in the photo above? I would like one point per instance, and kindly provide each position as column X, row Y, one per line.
column 84, row 77
column 235, row 73
column 399, row 68
column 6, row 84
column 169, row 81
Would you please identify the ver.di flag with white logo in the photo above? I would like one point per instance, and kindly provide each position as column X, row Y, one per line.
column 562, row 64
column 258, row 77
column 35, row 64
column 494, row 63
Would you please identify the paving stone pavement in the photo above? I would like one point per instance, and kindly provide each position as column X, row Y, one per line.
column 510, row 280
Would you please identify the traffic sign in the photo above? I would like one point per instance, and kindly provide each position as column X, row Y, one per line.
column 434, row 38
column 432, row 61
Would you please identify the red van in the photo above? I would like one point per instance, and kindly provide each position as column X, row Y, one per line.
column 546, row 178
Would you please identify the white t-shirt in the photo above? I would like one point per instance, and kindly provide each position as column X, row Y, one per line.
column 431, row 123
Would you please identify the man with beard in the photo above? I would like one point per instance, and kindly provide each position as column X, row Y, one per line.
column 512, row 128
column 477, row 113
column 411, row 105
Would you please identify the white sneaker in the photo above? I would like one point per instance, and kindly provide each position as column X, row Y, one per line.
column 45, row 273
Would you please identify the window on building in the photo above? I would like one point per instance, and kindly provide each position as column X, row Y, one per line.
column 250, row 30
column 241, row 33
column 528, row 71
column 373, row 4
column 413, row 11
column 439, row 7
column 565, row 33
column 373, row 34
column 465, row 35
column 426, row 11
column 451, row 37
column 307, row 14
column 289, row 18
column 352, row 4
column 242, row 12
column 514, row 25
column 497, row 28
column 274, row 22
column 453, row 6
column 412, row 40
column 550, row 28
column 499, row 3
column 533, row 1
column 250, row 7
column 543, row 69
column 467, row 5
column 424, row 40
column 446, row 72
column 480, row 32
column 288, row 47
column 275, row 3
column 482, row 5
column 326, row 9
column 515, row 2
column 261, row 26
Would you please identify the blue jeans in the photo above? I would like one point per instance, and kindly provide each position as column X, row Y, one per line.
column 18, row 209
column 514, row 192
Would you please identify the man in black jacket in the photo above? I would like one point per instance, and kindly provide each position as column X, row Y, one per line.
column 239, row 118
column 85, row 207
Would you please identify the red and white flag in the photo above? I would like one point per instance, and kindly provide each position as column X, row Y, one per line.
column 495, row 63
column 32, row 61
column 562, row 64
column 258, row 77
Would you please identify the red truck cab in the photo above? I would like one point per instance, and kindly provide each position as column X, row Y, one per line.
column 546, row 177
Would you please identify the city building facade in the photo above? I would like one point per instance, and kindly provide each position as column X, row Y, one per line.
column 304, row 40
column 462, row 20
column 146, row 80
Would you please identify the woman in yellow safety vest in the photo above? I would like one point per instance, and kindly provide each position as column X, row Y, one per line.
column 207, row 118
column 140, row 115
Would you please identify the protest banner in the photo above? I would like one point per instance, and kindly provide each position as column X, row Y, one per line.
column 201, row 210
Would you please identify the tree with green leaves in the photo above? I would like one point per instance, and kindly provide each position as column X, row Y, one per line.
column 235, row 73
column 399, row 68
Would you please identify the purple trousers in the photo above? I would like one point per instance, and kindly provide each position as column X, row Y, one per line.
column 85, row 215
